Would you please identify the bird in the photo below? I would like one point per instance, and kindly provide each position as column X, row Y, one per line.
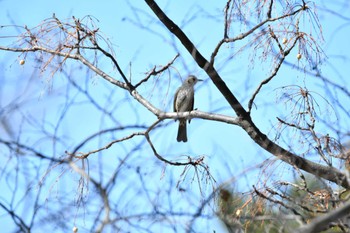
column 183, row 102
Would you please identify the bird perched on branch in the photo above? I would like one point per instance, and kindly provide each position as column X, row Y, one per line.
column 183, row 102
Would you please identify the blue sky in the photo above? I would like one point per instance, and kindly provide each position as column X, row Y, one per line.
column 228, row 149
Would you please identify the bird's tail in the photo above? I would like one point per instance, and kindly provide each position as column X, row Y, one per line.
column 182, row 132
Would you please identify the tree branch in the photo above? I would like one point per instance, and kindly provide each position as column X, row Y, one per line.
column 320, row 223
column 328, row 173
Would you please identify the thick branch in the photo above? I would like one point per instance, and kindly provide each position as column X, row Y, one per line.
column 320, row 223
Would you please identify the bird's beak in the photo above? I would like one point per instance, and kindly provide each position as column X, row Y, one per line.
column 200, row 80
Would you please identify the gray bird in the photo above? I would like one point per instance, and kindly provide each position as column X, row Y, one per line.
column 183, row 102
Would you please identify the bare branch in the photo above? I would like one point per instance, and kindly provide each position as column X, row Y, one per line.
column 156, row 72
column 320, row 223
column 249, row 32
column 276, row 69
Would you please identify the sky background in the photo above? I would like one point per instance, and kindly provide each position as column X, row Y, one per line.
column 140, row 42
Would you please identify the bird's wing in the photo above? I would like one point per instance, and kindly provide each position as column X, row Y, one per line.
column 191, row 105
column 192, row 102
column 175, row 97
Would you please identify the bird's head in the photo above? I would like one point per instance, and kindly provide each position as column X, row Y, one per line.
column 192, row 80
